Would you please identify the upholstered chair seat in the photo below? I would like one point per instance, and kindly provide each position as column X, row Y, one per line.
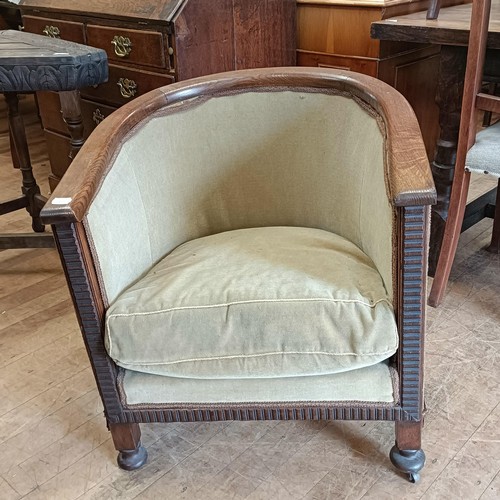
column 484, row 156
column 261, row 303
column 252, row 245
column 266, row 302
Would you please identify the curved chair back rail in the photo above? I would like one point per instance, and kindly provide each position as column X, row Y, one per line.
column 304, row 147
column 410, row 181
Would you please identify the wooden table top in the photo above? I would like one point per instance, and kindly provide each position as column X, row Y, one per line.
column 31, row 62
column 451, row 27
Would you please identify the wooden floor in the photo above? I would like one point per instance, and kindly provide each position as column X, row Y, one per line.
column 54, row 442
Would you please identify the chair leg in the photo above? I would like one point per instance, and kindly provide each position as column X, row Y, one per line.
column 407, row 455
column 127, row 440
column 433, row 9
column 495, row 237
column 456, row 211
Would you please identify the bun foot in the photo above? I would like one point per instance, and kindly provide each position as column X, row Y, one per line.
column 410, row 462
column 132, row 459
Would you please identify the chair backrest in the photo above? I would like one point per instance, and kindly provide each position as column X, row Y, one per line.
column 305, row 147
column 473, row 99
column 258, row 157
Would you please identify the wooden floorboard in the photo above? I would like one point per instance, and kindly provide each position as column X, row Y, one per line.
column 53, row 438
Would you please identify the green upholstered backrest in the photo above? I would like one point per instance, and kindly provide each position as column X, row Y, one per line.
column 276, row 158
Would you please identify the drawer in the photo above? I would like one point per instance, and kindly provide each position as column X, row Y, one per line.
column 363, row 65
column 49, row 106
column 124, row 84
column 138, row 47
column 66, row 30
column 93, row 114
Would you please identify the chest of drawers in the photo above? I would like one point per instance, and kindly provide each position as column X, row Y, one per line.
column 153, row 43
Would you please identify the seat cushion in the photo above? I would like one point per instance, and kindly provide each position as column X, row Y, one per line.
column 372, row 384
column 260, row 302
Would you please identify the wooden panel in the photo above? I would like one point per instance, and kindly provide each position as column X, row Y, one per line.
column 415, row 76
column 337, row 30
column 67, row 30
column 264, row 33
column 146, row 47
column 204, row 36
column 110, row 91
column 358, row 64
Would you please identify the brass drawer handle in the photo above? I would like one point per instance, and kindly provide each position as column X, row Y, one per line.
column 52, row 31
column 122, row 44
column 128, row 88
column 97, row 116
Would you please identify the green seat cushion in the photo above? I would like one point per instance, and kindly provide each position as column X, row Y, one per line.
column 260, row 302
column 371, row 384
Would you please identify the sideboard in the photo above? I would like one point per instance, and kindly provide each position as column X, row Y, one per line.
column 154, row 43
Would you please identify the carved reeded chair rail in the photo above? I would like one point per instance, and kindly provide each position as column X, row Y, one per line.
column 252, row 245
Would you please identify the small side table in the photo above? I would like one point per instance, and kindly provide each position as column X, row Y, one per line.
column 29, row 63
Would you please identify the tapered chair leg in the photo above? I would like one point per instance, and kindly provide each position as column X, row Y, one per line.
column 127, row 440
column 456, row 211
column 495, row 236
column 407, row 454
column 433, row 9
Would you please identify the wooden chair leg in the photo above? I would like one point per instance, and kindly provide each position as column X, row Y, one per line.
column 127, row 440
column 495, row 237
column 456, row 210
column 407, row 454
column 433, row 10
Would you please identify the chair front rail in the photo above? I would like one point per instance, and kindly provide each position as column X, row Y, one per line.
column 269, row 411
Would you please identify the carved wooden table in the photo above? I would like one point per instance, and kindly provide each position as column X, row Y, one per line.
column 451, row 31
column 30, row 63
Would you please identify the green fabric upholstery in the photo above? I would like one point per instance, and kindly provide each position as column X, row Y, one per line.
column 372, row 384
column 255, row 159
column 261, row 302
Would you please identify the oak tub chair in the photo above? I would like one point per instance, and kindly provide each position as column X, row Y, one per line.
column 252, row 245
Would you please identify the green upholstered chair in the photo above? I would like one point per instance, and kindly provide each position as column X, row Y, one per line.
column 252, row 245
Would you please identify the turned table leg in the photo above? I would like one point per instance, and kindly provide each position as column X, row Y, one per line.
column 72, row 115
column 21, row 158
column 449, row 99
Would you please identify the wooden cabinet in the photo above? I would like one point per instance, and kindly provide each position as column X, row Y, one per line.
column 154, row 43
column 336, row 33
